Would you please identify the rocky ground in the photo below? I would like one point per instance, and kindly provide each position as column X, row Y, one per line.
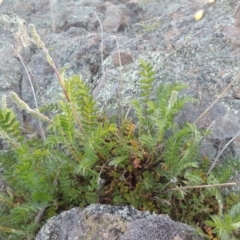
column 203, row 54
column 87, row 37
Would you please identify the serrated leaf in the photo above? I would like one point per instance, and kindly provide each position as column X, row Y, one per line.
column 119, row 161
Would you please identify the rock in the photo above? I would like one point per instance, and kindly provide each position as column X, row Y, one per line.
column 56, row 15
column 30, row 10
column 236, row 93
column 104, row 222
column 113, row 18
column 226, row 128
column 201, row 54
column 14, row 42
column 233, row 31
column 121, row 58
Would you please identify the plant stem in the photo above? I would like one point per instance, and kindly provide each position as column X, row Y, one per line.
column 204, row 186
column 220, row 153
column 214, row 102
column 33, row 91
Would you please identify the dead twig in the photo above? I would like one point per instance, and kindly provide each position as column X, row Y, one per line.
column 204, row 186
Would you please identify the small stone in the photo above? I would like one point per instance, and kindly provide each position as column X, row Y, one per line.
column 125, row 58
column 237, row 22
column 237, row 17
column 236, row 94
column 113, row 18
column 232, row 32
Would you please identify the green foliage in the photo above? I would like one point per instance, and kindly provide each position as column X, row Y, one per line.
column 55, row 171
column 150, row 162
column 9, row 127
column 225, row 225
column 150, row 27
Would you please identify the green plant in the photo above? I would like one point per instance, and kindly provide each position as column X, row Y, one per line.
column 150, row 161
column 224, row 222
column 227, row 225
column 149, row 27
column 57, row 172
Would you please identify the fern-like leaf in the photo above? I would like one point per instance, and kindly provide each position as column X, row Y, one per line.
column 12, row 231
column 10, row 128
column 80, row 96
column 52, row 108
column 147, row 73
column 234, row 212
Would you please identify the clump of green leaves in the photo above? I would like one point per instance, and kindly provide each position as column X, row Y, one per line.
column 226, row 225
column 150, row 161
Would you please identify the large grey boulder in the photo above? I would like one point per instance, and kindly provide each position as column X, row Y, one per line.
column 13, row 40
column 104, row 222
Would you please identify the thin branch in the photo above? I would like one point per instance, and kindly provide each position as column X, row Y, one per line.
column 224, row 91
column 204, row 186
column 40, row 215
column 33, row 91
column 52, row 16
column 99, row 175
column 220, row 153
column 100, row 181
column 103, row 70
column 127, row 113
column 120, row 108
column 40, row 44
column 60, row 77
